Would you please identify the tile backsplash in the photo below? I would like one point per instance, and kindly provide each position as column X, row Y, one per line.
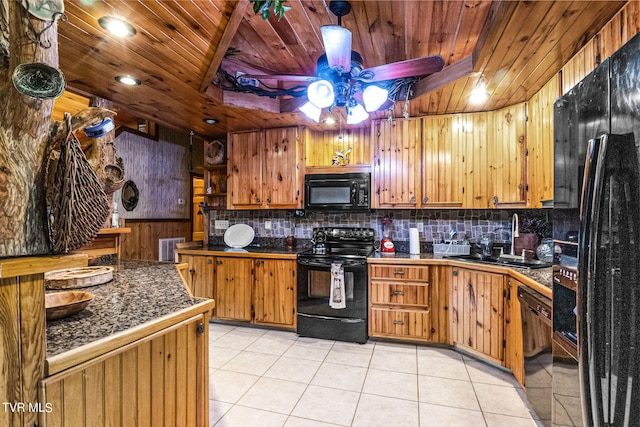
column 437, row 224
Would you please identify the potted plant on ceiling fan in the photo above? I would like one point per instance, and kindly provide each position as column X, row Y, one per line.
column 263, row 8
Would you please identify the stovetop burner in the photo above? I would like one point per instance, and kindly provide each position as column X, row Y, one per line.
column 343, row 242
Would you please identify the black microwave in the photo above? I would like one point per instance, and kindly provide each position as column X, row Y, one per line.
column 337, row 192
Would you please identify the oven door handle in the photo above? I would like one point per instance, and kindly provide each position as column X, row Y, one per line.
column 328, row 263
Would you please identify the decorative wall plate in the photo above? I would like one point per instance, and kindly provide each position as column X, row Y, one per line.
column 238, row 236
column 130, row 195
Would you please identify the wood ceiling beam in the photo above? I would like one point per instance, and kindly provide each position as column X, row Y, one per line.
column 225, row 41
column 449, row 74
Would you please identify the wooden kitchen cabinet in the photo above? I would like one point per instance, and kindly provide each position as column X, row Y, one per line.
column 265, row 169
column 233, row 281
column 478, row 313
column 396, row 163
column 275, row 292
column 200, row 275
column 403, row 304
column 443, row 155
column 159, row 380
column 507, row 149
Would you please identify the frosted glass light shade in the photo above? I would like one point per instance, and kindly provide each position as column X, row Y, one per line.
column 311, row 111
column 321, row 93
column 337, row 45
column 356, row 115
column 373, row 97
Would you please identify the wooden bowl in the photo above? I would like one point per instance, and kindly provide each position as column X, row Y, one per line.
column 63, row 304
column 80, row 277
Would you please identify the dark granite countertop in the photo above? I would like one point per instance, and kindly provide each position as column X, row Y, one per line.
column 543, row 276
column 141, row 291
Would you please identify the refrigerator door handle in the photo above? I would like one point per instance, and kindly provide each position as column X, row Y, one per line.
column 608, row 270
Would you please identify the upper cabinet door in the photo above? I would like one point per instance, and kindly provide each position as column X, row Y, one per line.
column 245, row 170
column 442, row 157
column 507, row 154
column 397, row 164
column 282, row 174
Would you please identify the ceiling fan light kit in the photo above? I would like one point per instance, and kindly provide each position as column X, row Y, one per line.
column 321, row 94
column 311, row 111
column 341, row 79
column 337, row 45
column 374, row 97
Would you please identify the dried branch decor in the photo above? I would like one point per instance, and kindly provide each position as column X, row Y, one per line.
column 79, row 205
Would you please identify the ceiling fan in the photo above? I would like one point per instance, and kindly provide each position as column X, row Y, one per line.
column 342, row 81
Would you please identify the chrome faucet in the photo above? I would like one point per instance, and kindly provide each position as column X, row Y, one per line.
column 514, row 233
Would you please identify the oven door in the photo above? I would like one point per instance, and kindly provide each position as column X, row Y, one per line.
column 314, row 285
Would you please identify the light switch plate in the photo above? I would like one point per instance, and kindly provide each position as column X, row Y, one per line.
column 221, row 224
column 267, row 225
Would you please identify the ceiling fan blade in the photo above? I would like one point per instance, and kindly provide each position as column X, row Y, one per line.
column 409, row 68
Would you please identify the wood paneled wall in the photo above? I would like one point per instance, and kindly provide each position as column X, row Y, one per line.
column 142, row 242
column 322, row 146
column 160, row 170
column 611, row 37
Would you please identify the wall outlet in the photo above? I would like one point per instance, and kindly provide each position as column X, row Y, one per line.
column 181, row 201
column 267, row 225
column 221, row 224
column 420, row 227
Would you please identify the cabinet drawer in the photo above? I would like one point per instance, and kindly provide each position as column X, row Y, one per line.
column 401, row 323
column 403, row 294
column 399, row 272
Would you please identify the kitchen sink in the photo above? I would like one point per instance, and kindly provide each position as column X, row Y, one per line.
column 511, row 261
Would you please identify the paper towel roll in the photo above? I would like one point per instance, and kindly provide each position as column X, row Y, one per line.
column 414, row 241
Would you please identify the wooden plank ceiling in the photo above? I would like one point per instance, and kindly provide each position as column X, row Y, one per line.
column 514, row 47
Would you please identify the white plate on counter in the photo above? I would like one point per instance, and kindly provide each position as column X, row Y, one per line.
column 238, row 236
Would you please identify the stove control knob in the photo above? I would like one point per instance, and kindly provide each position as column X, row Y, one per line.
column 320, row 236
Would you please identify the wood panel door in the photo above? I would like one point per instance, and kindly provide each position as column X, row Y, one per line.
column 234, row 279
column 473, row 130
column 514, row 350
column 200, row 275
column 507, row 154
column 477, row 312
column 442, row 160
column 282, row 170
column 275, row 292
column 162, row 381
column 244, row 166
column 397, row 163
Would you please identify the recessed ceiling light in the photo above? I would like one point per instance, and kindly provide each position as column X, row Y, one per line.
column 128, row 80
column 116, row 26
column 210, row 121
column 329, row 121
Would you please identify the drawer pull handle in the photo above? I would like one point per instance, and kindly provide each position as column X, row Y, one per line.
column 397, row 293
column 398, row 272
column 398, row 322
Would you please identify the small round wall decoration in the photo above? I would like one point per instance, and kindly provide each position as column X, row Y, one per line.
column 214, row 154
column 130, row 195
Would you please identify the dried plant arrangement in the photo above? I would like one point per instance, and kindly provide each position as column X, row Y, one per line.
column 79, row 207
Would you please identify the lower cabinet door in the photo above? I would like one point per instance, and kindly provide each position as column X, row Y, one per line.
column 234, row 278
column 401, row 323
column 275, row 292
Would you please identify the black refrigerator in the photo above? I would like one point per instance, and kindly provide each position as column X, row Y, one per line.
column 596, row 279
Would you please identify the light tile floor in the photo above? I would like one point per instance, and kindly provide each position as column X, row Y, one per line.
column 267, row 378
